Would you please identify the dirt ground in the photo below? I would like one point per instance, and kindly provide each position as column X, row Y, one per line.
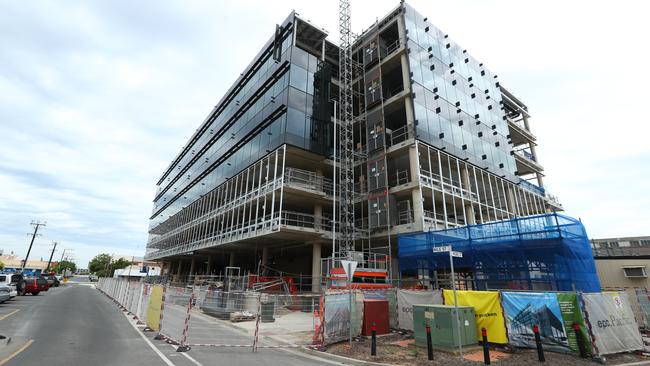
column 400, row 349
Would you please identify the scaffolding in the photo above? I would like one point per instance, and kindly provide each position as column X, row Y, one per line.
column 548, row 252
column 346, row 134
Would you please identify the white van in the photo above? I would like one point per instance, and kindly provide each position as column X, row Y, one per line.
column 5, row 279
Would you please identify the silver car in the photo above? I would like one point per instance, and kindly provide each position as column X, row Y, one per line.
column 5, row 293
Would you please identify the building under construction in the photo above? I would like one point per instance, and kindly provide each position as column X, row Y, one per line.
column 409, row 133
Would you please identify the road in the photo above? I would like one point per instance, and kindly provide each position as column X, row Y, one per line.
column 77, row 325
column 74, row 325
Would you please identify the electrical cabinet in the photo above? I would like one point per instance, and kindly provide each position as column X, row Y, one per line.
column 442, row 320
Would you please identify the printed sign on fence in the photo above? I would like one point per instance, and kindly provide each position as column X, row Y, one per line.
column 571, row 314
column 405, row 301
column 612, row 323
column 153, row 309
column 524, row 310
column 337, row 317
column 488, row 312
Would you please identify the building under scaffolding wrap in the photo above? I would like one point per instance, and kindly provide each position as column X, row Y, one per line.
column 541, row 252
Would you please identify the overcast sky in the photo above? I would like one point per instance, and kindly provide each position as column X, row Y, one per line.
column 97, row 97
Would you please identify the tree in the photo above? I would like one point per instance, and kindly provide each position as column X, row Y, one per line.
column 119, row 264
column 103, row 266
column 2, row 266
column 63, row 265
column 99, row 264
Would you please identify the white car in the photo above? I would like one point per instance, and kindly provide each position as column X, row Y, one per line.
column 5, row 279
column 4, row 293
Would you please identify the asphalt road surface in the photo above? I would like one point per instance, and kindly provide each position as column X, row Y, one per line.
column 75, row 324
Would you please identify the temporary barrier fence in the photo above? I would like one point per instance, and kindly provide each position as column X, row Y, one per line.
column 407, row 298
column 201, row 316
column 287, row 321
column 611, row 323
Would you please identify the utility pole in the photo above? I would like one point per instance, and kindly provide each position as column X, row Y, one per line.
column 36, row 225
column 62, row 254
column 51, row 255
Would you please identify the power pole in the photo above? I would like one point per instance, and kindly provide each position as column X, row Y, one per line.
column 51, row 255
column 62, row 254
column 36, row 225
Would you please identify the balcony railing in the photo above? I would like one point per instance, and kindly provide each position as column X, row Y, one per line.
column 531, row 187
column 389, row 48
column 434, row 180
column 308, row 180
column 526, row 155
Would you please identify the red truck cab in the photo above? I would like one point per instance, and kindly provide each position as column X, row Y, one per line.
column 34, row 285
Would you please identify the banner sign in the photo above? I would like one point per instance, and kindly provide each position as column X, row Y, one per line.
column 488, row 312
column 571, row 314
column 153, row 309
column 405, row 301
column 612, row 323
column 524, row 310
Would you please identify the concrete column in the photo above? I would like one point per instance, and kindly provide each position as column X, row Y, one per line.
column 470, row 216
column 265, row 255
column 401, row 29
column 208, row 268
column 232, row 260
column 416, row 194
column 540, row 180
column 192, row 266
column 315, row 267
column 178, row 270
column 318, row 215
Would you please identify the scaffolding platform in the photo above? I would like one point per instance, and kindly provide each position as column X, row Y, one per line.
column 548, row 252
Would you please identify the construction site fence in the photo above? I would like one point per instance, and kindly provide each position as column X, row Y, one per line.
column 607, row 321
column 207, row 316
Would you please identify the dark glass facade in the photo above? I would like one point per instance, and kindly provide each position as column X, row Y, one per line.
column 457, row 101
column 271, row 104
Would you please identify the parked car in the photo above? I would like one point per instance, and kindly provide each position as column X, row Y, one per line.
column 52, row 281
column 14, row 280
column 5, row 293
column 93, row 278
column 34, row 285
column 5, row 279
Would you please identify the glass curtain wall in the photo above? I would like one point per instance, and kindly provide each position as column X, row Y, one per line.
column 457, row 101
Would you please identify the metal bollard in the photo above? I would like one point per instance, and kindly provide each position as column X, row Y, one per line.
column 373, row 344
column 538, row 342
column 429, row 345
column 486, row 349
column 580, row 341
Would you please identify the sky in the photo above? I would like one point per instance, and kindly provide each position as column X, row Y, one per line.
column 97, row 98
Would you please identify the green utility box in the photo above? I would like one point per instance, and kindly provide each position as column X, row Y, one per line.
column 442, row 320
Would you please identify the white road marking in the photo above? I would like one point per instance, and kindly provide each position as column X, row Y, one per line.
column 192, row 360
column 153, row 347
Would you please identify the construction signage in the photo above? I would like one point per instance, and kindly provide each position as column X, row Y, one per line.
column 612, row 323
column 407, row 298
column 488, row 312
column 153, row 309
column 524, row 310
column 571, row 315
